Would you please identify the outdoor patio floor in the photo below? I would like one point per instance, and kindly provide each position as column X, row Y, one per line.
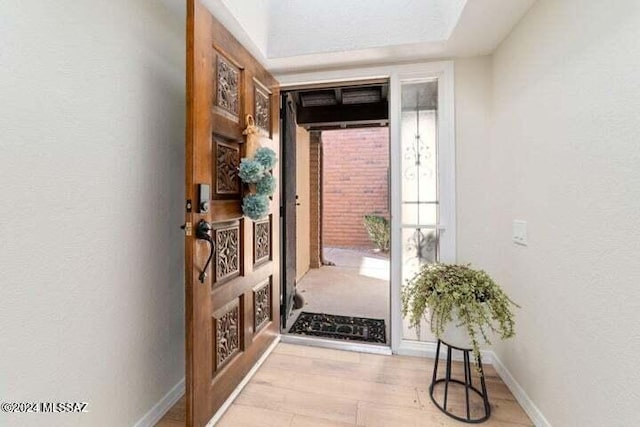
column 357, row 285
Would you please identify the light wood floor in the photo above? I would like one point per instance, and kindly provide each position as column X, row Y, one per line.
column 300, row 386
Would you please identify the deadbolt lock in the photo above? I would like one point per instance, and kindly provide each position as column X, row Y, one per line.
column 204, row 195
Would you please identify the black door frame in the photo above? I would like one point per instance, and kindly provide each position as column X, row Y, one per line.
column 287, row 207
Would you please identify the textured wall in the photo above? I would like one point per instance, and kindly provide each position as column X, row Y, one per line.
column 355, row 183
column 564, row 156
column 92, row 170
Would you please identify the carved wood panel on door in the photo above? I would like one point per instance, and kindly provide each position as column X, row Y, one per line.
column 233, row 317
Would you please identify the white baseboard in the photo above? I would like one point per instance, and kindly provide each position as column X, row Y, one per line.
column 537, row 417
column 154, row 415
column 428, row 349
column 227, row 403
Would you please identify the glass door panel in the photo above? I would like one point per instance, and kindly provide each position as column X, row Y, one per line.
column 420, row 203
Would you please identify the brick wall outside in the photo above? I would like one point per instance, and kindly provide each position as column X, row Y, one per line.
column 355, row 183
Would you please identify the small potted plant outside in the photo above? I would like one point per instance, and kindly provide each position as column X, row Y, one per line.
column 379, row 231
column 465, row 305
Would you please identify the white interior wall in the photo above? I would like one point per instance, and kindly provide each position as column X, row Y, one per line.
column 563, row 155
column 253, row 16
column 473, row 119
column 92, row 170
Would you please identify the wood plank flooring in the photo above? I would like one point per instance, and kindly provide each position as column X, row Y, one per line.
column 301, row 386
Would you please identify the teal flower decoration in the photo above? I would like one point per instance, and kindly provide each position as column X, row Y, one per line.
column 250, row 171
column 255, row 206
column 267, row 185
column 266, row 157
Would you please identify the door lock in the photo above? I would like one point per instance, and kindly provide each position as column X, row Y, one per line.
column 204, row 195
column 202, row 233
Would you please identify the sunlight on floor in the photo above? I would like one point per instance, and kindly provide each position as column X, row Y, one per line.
column 376, row 268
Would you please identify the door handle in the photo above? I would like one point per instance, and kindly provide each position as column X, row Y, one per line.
column 202, row 233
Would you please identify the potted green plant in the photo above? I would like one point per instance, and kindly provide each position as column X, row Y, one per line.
column 466, row 306
column 379, row 231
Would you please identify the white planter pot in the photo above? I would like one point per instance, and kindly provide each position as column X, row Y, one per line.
column 456, row 336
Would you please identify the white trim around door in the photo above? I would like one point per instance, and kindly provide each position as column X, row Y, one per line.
column 443, row 71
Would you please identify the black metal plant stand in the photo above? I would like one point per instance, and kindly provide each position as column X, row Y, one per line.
column 468, row 384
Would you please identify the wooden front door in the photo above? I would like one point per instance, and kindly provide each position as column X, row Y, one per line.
column 233, row 315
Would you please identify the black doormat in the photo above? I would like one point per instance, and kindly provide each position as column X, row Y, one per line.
column 340, row 327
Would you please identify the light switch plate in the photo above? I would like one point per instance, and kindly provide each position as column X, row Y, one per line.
column 520, row 232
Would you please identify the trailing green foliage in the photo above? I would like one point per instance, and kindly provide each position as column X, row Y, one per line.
column 459, row 292
column 379, row 231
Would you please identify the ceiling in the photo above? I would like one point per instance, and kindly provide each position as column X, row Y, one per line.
column 310, row 27
column 290, row 36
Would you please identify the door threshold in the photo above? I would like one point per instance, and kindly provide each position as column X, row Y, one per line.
column 359, row 347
